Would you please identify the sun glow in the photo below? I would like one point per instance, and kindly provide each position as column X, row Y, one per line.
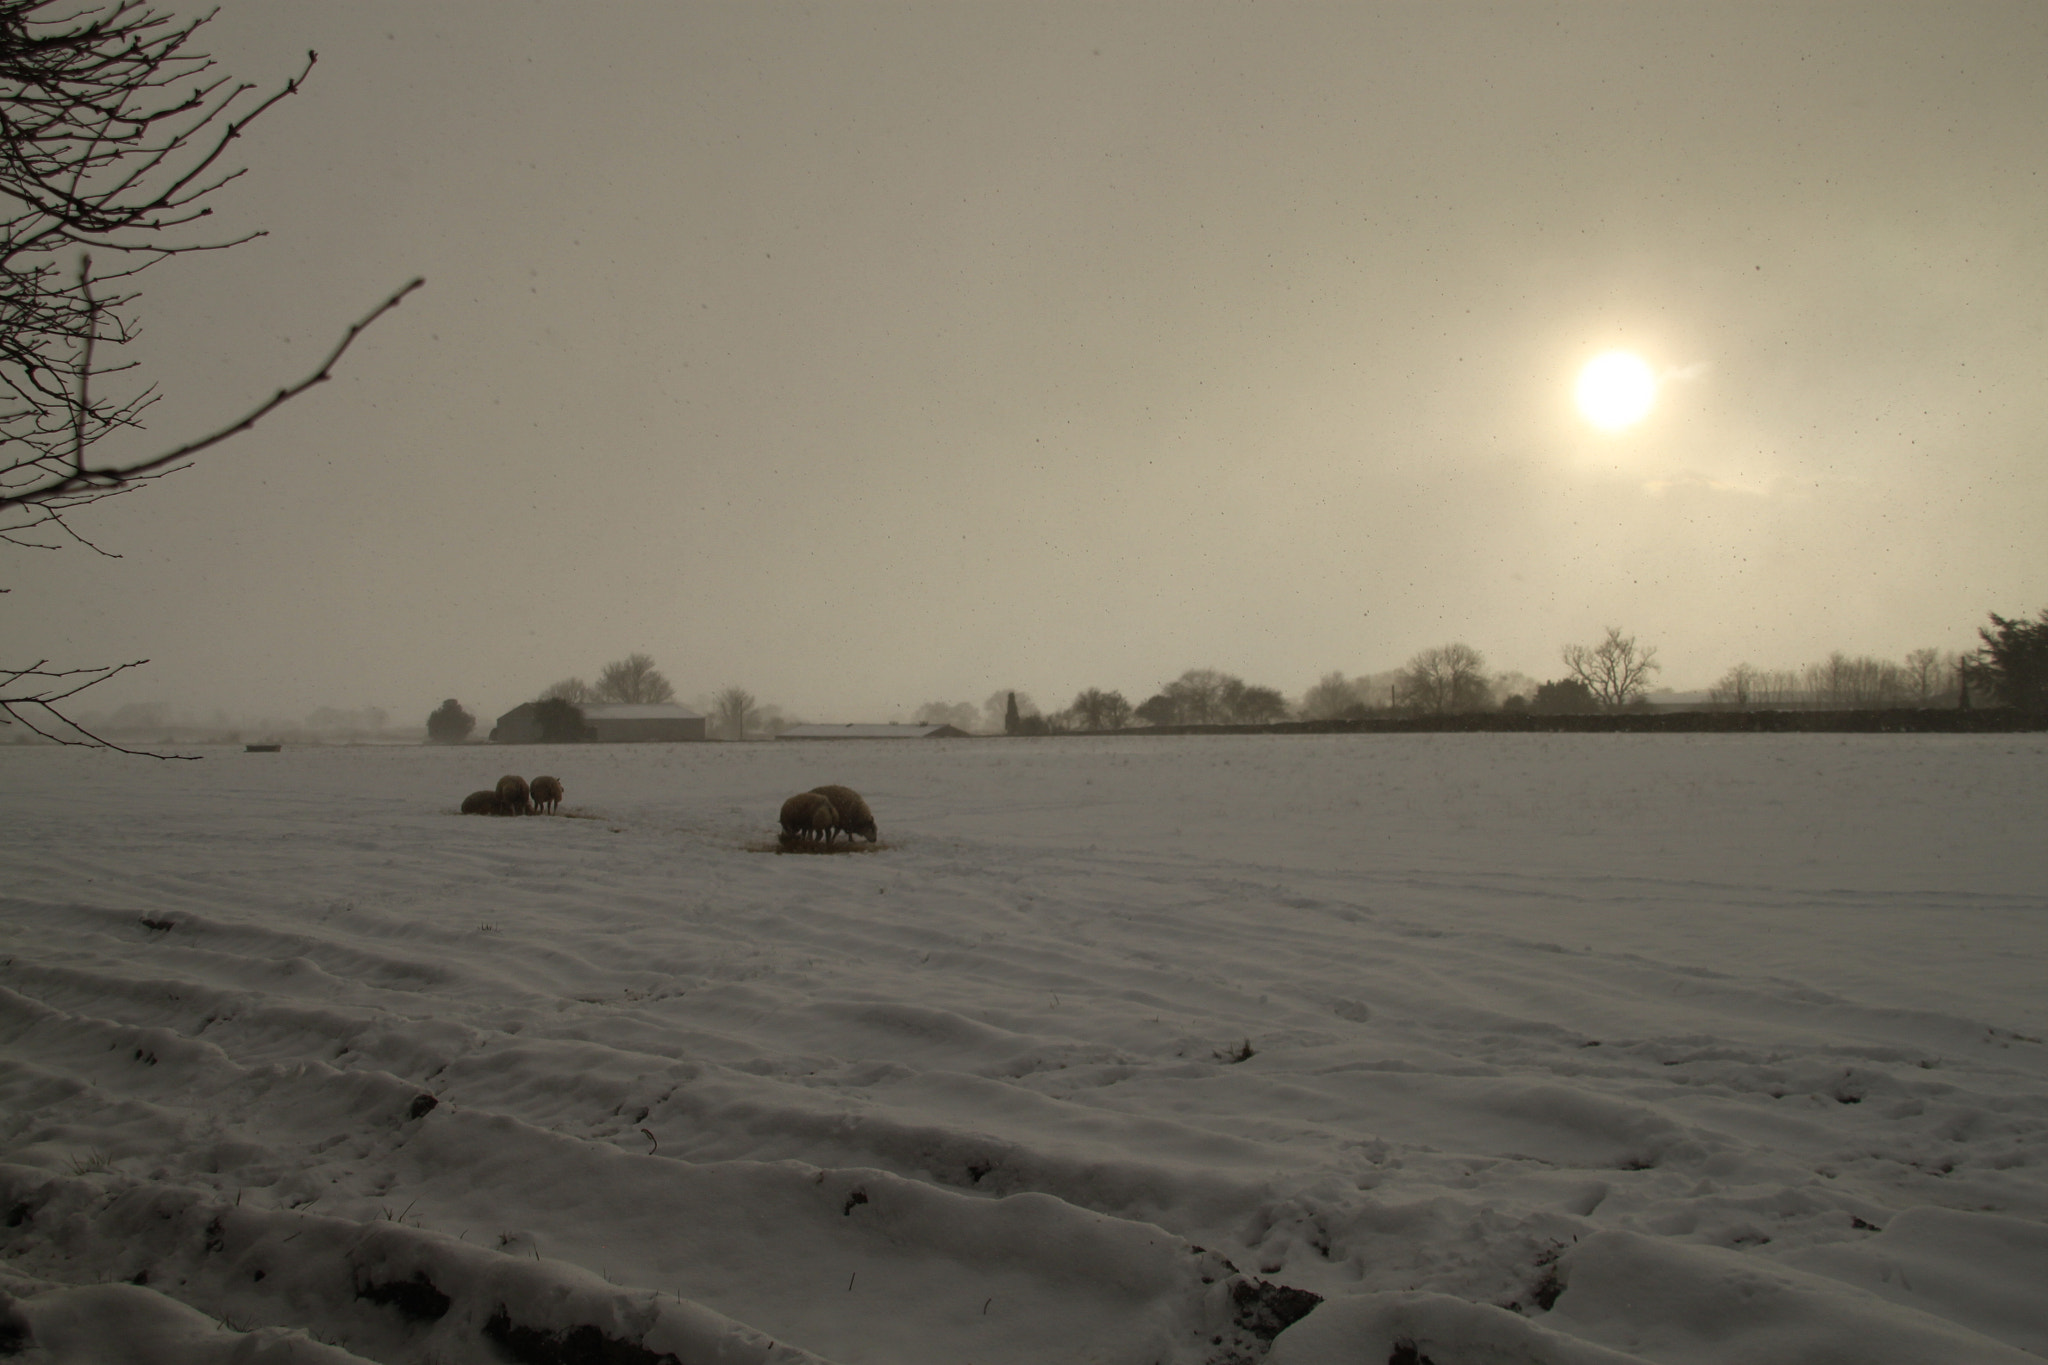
column 1616, row 390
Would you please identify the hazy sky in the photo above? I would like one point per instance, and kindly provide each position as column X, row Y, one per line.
column 873, row 354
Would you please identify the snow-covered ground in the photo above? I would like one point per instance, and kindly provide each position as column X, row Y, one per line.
column 1552, row 1049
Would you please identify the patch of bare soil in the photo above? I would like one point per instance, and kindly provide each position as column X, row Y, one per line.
column 787, row 844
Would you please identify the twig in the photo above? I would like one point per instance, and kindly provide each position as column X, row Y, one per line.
column 83, row 405
column 13, row 706
column 115, row 475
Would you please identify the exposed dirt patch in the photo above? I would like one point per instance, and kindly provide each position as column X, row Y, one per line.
column 584, row 1345
column 1266, row 1310
column 794, row 846
column 416, row 1299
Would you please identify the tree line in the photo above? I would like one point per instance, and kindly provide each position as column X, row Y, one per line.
column 1444, row 679
column 1609, row 675
column 2009, row 668
column 1612, row 674
column 1926, row 677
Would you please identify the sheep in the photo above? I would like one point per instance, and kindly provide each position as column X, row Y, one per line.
column 546, row 793
column 808, row 816
column 485, row 803
column 512, row 791
column 854, row 815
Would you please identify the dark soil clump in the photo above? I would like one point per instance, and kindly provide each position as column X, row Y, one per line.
column 584, row 1345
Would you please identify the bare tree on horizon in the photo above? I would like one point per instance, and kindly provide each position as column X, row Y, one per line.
column 1616, row 671
column 734, row 712
column 575, row 691
column 1930, row 675
column 633, row 680
column 1095, row 709
column 1331, row 697
column 1443, row 680
column 1739, row 687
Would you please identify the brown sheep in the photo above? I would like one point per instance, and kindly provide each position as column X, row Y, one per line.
column 809, row 816
column 546, row 793
column 854, row 815
column 484, row 803
column 512, row 791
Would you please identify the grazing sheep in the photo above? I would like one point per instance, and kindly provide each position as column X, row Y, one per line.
column 809, row 816
column 512, row 791
column 854, row 815
column 546, row 793
column 485, row 803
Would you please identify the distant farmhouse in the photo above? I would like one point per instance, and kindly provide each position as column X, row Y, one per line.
column 609, row 723
column 872, row 732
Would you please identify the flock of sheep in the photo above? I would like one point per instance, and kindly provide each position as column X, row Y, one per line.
column 822, row 814
column 818, row 816
column 516, row 796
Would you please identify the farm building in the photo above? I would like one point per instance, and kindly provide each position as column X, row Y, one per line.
column 609, row 723
column 872, row 732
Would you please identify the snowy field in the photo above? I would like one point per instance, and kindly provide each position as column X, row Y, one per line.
column 1544, row 1049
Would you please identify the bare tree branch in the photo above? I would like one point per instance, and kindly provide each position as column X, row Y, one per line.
column 36, row 690
column 113, row 133
column 108, row 479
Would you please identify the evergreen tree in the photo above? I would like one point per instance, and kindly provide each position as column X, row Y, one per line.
column 2013, row 663
column 449, row 724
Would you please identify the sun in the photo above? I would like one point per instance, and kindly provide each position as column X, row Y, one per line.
column 1616, row 390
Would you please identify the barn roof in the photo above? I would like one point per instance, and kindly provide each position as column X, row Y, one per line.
column 667, row 710
column 858, row 731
